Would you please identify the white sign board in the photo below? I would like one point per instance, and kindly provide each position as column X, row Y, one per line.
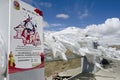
column 26, row 52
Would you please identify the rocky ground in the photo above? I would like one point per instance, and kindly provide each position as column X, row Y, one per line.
column 107, row 74
column 53, row 67
column 72, row 68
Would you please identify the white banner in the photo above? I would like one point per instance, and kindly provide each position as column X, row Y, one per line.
column 26, row 38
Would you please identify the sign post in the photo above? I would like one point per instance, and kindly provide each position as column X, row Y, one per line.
column 24, row 40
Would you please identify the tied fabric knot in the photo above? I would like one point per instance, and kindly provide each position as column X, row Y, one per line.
column 38, row 12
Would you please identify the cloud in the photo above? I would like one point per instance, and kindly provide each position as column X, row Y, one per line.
column 63, row 16
column 54, row 27
column 45, row 4
column 110, row 27
column 109, row 31
column 85, row 14
column 47, row 25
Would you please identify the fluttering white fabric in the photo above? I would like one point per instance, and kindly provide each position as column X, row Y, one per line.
column 3, row 58
column 61, row 41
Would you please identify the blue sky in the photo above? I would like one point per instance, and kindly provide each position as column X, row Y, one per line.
column 60, row 14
